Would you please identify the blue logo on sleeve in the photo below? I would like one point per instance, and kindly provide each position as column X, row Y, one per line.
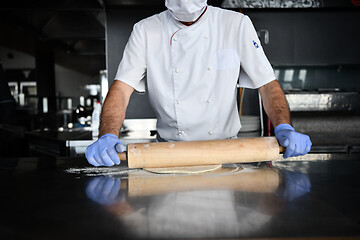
column 255, row 44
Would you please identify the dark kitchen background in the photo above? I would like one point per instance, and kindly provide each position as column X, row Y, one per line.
column 59, row 57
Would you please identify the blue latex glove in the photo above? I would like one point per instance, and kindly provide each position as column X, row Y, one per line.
column 105, row 190
column 104, row 151
column 296, row 144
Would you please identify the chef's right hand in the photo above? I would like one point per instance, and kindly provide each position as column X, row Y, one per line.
column 297, row 144
column 104, row 151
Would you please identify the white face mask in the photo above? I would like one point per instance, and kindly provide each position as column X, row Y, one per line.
column 186, row 10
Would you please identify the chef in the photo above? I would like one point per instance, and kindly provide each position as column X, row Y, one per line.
column 193, row 56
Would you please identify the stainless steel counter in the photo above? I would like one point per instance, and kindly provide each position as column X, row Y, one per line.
column 323, row 102
column 309, row 197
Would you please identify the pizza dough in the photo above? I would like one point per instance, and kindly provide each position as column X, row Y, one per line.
column 186, row 170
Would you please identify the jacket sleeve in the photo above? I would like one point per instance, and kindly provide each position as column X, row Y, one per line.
column 256, row 70
column 132, row 68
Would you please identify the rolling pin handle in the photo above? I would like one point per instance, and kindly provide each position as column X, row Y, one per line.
column 121, row 149
column 282, row 149
column 122, row 156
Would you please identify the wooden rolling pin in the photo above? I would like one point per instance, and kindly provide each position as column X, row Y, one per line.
column 195, row 153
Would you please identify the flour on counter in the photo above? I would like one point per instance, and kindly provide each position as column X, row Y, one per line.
column 123, row 171
column 102, row 171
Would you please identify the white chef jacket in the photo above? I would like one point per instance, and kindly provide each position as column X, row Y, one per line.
column 192, row 71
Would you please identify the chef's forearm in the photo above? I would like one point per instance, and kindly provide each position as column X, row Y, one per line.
column 114, row 108
column 275, row 103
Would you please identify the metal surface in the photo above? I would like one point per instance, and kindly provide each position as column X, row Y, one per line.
column 138, row 131
column 272, row 4
column 318, row 157
column 344, row 101
column 301, row 199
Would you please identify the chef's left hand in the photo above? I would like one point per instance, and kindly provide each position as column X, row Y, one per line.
column 296, row 143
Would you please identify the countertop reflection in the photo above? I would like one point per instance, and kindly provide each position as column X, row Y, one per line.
column 73, row 200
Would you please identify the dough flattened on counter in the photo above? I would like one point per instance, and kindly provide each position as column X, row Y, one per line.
column 186, row 170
